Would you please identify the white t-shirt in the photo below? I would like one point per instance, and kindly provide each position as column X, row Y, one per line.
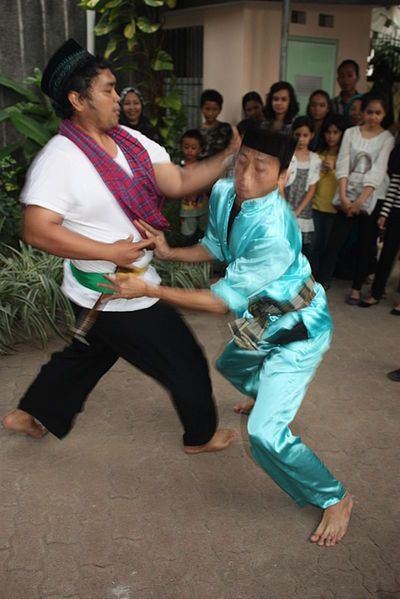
column 63, row 179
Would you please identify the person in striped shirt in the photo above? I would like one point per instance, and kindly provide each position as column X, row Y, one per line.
column 389, row 220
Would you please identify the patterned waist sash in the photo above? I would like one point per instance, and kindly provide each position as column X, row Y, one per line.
column 247, row 333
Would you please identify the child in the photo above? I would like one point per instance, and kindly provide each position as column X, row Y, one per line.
column 348, row 74
column 318, row 109
column 194, row 208
column 355, row 112
column 281, row 107
column 216, row 134
column 323, row 211
column 282, row 327
column 361, row 172
column 253, row 106
column 301, row 191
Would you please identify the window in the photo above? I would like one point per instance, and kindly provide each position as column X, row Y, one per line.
column 326, row 20
column 298, row 16
column 185, row 45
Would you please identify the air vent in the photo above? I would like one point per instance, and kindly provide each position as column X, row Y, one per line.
column 326, row 20
column 298, row 16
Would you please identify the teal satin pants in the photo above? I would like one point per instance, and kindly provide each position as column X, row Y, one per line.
column 277, row 377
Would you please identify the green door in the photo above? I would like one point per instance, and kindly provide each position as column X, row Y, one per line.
column 311, row 65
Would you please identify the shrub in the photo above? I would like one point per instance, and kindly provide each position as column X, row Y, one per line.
column 10, row 209
column 32, row 305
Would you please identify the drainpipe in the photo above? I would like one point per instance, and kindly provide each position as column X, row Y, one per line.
column 90, row 23
column 284, row 39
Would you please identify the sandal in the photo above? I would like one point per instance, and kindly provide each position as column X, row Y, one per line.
column 352, row 301
column 363, row 304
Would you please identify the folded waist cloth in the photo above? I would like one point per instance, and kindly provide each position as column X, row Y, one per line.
column 247, row 332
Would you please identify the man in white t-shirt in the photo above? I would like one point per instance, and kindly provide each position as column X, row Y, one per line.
column 75, row 208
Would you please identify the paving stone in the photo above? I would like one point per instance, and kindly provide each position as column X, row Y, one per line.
column 117, row 510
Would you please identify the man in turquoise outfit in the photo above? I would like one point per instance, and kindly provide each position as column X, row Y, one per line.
column 282, row 327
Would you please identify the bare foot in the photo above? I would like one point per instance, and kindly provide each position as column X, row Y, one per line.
column 244, row 407
column 221, row 439
column 371, row 301
column 334, row 523
column 19, row 421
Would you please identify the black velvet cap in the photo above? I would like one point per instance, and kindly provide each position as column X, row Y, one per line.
column 64, row 62
column 274, row 143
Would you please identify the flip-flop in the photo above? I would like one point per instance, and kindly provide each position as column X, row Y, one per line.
column 363, row 304
column 352, row 301
column 395, row 312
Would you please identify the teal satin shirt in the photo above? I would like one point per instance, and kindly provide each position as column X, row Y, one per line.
column 263, row 256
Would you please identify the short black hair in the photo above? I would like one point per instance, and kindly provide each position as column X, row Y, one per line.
column 274, row 143
column 80, row 81
column 349, row 62
column 303, row 121
column 193, row 134
column 211, row 95
column 245, row 125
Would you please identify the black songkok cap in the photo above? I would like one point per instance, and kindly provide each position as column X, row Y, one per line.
column 274, row 143
column 61, row 66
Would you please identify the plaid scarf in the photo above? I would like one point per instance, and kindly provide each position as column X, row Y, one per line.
column 138, row 196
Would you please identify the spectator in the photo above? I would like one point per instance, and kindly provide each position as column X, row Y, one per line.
column 348, row 74
column 318, row 109
column 360, row 169
column 302, row 189
column 253, row 106
column 281, row 107
column 216, row 134
column 389, row 221
column 132, row 104
column 194, row 207
column 323, row 211
column 355, row 111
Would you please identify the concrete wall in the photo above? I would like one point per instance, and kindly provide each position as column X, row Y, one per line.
column 242, row 43
column 30, row 31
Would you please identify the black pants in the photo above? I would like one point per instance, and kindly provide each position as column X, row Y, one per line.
column 391, row 246
column 341, row 230
column 155, row 340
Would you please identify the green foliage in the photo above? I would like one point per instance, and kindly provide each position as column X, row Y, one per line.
column 32, row 305
column 32, row 117
column 184, row 274
column 134, row 43
column 10, row 210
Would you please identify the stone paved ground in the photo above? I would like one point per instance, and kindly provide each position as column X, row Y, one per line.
column 118, row 511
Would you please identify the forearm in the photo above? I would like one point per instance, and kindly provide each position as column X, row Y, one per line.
column 205, row 172
column 192, row 299
column 364, row 195
column 195, row 253
column 59, row 241
column 177, row 182
column 306, row 200
column 342, row 183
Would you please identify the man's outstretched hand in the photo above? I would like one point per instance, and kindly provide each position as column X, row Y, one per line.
column 162, row 250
